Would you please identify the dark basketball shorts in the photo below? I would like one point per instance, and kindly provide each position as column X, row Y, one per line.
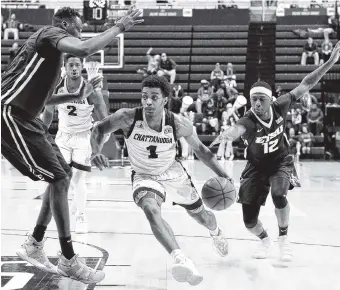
column 28, row 146
column 255, row 184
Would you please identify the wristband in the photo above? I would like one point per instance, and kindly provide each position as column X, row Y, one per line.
column 121, row 26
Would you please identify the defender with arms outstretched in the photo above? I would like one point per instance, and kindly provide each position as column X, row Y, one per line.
column 151, row 133
column 269, row 165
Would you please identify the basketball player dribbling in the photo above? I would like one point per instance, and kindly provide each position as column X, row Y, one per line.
column 150, row 135
column 269, row 166
column 26, row 88
column 74, row 132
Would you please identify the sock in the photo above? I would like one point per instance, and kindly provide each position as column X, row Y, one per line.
column 175, row 253
column 263, row 235
column 67, row 247
column 215, row 232
column 39, row 232
column 283, row 231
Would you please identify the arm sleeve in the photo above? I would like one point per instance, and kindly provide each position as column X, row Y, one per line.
column 285, row 102
column 52, row 35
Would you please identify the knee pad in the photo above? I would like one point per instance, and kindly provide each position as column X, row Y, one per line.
column 279, row 200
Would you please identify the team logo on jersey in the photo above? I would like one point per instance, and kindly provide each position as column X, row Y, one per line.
column 279, row 120
column 168, row 130
column 266, row 139
column 139, row 124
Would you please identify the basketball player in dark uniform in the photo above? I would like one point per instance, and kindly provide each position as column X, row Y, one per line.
column 269, row 166
column 26, row 88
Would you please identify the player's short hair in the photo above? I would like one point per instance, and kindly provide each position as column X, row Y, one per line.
column 64, row 13
column 68, row 55
column 261, row 87
column 154, row 81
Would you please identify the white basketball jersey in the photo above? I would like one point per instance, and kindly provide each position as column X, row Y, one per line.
column 151, row 152
column 76, row 116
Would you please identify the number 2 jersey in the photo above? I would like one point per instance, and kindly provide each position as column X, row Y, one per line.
column 266, row 141
column 76, row 116
column 151, row 152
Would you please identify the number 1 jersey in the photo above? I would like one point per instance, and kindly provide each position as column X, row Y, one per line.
column 266, row 141
column 76, row 116
column 151, row 152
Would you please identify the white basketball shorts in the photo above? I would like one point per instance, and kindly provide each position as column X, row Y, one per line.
column 175, row 182
column 76, row 148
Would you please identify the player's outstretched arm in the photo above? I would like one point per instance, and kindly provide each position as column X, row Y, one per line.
column 184, row 128
column 314, row 77
column 97, row 99
column 122, row 119
column 231, row 134
column 85, row 48
column 47, row 116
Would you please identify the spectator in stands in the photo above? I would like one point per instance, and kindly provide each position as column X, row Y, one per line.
column 310, row 50
column 204, row 93
column 12, row 26
column 153, row 64
column 278, row 91
column 210, row 122
column 326, row 50
column 167, row 67
column 297, row 120
column 216, row 76
column 306, row 103
column 13, row 52
column 305, row 140
column 315, row 119
column 175, row 103
column 231, row 75
column 220, row 103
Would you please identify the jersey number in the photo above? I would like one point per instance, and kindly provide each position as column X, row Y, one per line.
column 72, row 111
column 152, row 150
column 270, row 146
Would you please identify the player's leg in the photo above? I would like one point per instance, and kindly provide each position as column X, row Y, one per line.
column 253, row 193
column 149, row 195
column 81, row 155
column 303, row 58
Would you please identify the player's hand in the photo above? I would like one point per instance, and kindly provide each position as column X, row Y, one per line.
column 130, row 19
column 220, row 138
column 100, row 161
column 335, row 53
column 89, row 87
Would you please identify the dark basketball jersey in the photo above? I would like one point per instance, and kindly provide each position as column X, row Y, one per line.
column 266, row 141
column 31, row 77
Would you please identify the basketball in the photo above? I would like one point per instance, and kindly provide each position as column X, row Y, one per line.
column 218, row 193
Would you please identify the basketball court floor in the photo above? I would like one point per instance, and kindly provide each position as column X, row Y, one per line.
column 120, row 240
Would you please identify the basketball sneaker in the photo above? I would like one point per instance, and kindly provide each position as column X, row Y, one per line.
column 262, row 250
column 220, row 243
column 77, row 270
column 286, row 254
column 184, row 270
column 81, row 224
column 33, row 252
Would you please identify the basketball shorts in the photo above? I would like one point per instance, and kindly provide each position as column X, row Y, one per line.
column 255, row 184
column 76, row 148
column 27, row 145
column 175, row 181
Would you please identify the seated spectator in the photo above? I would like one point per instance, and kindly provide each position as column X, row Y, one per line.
column 204, row 93
column 216, row 76
column 306, row 103
column 13, row 52
column 167, row 67
column 305, row 140
column 210, row 122
column 12, row 26
column 279, row 91
column 297, row 120
column 315, row 119
column 175, row 102
column 326, row 50
column 230, row 76
column 220, row 103
column 310, row 50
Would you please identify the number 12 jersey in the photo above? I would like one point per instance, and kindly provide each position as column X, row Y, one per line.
column 266, row 141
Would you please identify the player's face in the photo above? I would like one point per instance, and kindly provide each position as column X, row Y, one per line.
column 260, row 103
column 153, row 101
column 75, row 27
column 73, row 68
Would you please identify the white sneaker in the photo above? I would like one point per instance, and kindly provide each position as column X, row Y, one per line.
column 262, row 250
column 286, row 253
column 33, row 252
column 184, row 270
column 77, row 270
column 81, row 224
column 220, row 244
